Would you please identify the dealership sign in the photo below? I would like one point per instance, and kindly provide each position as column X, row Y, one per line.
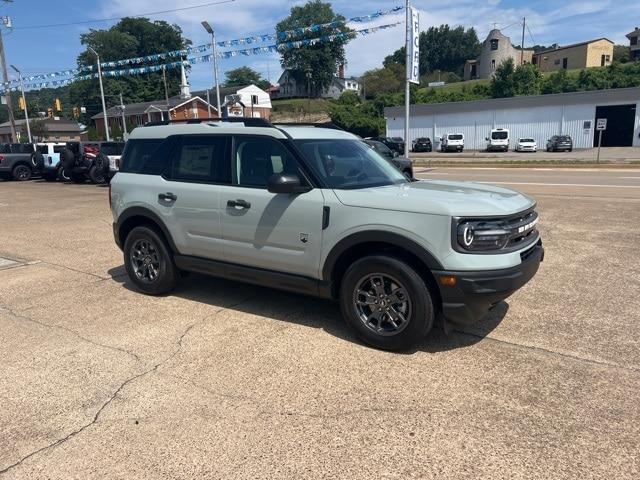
column 413, row 66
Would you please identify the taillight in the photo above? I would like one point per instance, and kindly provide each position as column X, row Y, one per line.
column 1, row 158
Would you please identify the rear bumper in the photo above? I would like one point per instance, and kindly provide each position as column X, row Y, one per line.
column 475, row 293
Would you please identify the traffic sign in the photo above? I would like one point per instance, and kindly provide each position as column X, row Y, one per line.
column 601, row 124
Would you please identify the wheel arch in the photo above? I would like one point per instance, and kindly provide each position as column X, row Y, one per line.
column 361, row 244
column 138, row 216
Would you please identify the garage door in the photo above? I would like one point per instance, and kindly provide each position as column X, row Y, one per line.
column 620, row 122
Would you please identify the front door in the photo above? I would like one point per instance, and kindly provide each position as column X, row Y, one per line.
column 278, row 232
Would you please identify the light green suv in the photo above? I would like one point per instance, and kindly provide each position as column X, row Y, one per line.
column 316, row 211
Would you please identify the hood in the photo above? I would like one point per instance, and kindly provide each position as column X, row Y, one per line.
column 439, row 197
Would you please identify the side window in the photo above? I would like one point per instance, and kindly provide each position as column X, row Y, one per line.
column 43, row 149
column 202, row 158
column 257, row 158
column 145, row 156
column 58, row 148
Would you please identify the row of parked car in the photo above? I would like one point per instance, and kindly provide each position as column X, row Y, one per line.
column 497, row 141
column 74, row 161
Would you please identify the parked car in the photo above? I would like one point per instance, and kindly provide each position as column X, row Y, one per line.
column 527, row 144
column 82, row 161
column 394, row 143
column 401, row 163
column 559, row 143
column 47, row 160
column 110, row 153
column 315, row 211
column 452, row 142
column 498, row 140
column 422, row 144
column 16, row 161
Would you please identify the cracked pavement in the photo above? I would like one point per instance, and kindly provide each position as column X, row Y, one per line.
column 225, row 380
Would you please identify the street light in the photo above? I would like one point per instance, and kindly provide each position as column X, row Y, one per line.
column 104, row 105
column 208, row 28
column 24, row 100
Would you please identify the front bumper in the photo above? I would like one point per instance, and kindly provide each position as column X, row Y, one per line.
column 116, row 235
column 475, row 293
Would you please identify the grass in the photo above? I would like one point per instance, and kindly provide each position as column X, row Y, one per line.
column 457, row 86
column 294, row 105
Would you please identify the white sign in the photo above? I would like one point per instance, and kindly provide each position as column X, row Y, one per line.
column 435, row 84
column 601, row 124
column 413, row 67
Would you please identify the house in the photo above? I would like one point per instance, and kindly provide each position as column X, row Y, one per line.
column 188, row 105
column 592, row 53
column 56, row 129
column 634, row 48
column 293, row 83
column 496, row 48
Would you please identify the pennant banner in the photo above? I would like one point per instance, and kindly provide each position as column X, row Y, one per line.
column 52, row 82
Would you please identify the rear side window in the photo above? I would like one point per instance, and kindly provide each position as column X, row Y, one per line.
column 203, row 159
column 112, row 149
column 146, row 156
column 43, row 149
column 58, row 148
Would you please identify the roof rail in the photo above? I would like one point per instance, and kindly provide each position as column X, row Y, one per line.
column 248, row 121
column 330, row 125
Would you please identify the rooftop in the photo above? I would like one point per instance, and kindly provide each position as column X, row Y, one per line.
column 52, row 125
column 574, row 45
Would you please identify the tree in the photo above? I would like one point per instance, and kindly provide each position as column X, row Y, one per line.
column 558, row 82
column 350, row 113
column 383, row 80
column 442, row 48
column 38, row 129
column 320, row 61
column 502, row 83
column 621, row 53
column 527, row 79
column 243, row 76
column 130, row 37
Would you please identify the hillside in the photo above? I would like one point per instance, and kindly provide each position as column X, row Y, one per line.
column 300, row 110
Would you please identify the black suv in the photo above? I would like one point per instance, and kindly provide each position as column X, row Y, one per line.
column 401, row 163
column 559, row 143
column 83, row 160
column 422, row 144
column 394, row 143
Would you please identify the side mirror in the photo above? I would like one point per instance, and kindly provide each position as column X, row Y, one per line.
column 284, row 183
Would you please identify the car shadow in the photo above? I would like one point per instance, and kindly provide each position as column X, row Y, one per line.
column 310, row 311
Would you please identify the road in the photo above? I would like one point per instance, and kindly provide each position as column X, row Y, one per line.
column 223, row 380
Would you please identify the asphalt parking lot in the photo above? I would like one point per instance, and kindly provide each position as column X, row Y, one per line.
column 224, row 380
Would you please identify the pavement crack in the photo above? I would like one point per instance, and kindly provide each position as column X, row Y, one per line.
column 547, row 351
column 101, row 277
column 15, row 314
column 96, row 416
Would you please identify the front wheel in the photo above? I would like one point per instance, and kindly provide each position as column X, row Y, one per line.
column 148, row 262
column 22, row 173
column 96, row 174
column 386, row 303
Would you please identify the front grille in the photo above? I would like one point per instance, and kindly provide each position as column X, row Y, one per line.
column 523, row 229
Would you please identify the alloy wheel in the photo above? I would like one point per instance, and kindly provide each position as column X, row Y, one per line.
column 382, row 304
column 145, row 260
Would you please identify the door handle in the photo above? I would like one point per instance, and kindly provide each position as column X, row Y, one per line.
column 167, row 196
column 238, row 203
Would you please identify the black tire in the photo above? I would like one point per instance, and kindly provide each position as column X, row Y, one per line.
column 102, row 161
column 417, row 309
column 37, row 159
column 78, row 177
column 167, row 273
column 50, row 176
column 63, row 175
column 96, row 174
column 67, row 159
column 21, row 172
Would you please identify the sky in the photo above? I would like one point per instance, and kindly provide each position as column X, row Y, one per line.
column 42, row 50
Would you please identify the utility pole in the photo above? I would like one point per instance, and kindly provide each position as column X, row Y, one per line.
column 24, row 100
column 124, row 118
column 5, row 78
column 166, row 90
column 104, row 105
column 524, row 22
column 208, row 105
column 210, row 30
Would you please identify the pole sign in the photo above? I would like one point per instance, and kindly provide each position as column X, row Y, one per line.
column 601, row 124
column 413, row 67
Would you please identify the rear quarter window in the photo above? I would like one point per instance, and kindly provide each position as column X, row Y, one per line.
column 146, row 156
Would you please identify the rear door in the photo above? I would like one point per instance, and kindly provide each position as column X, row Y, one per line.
column 190, row 195
column 279, row 232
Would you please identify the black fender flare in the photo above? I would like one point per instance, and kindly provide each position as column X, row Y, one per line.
column 147, row 214
column 377, row 236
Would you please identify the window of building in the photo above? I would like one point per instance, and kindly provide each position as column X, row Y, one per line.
column 493, row 64
column 494, row 44
column 254, row 99
column 634, row 40
column 565, row 63
column 556, row 62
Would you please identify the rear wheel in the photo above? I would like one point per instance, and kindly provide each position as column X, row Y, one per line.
column 63, row 175
column 21, row 172
column 96, row 174
column 386, row 303
column 149, row 262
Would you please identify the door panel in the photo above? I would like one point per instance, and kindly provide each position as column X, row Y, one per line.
column 280, row 232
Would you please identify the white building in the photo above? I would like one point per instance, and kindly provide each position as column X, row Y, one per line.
column 292, row 84
column 539, row 117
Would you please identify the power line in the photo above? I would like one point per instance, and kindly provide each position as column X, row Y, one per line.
column 101, row 20
column 531, row 35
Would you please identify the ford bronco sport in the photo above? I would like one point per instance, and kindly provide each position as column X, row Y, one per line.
column 316, row 211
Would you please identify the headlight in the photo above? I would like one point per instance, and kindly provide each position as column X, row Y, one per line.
column 482, row 235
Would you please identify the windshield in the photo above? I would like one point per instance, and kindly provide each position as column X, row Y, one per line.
column 348, row 164
column 455, row 136
column 527, row 140
column 397, row 139
column 499, row 135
